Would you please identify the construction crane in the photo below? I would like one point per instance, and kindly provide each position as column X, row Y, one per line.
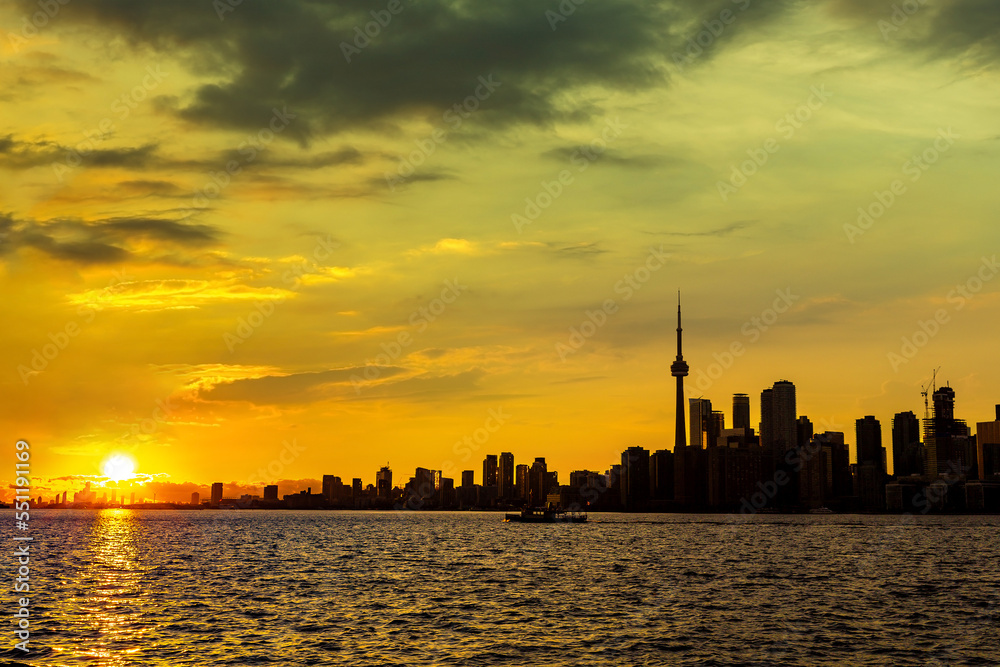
column 923, row 392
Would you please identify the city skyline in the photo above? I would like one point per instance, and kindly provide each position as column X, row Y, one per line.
column 199, row 274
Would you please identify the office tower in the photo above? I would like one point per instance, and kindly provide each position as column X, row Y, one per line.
column 701, row 422
column 784, row 415
column 988, row 448
column 216, row 493
column 505, row 477
column 741, row 411
column 521, row 481
column 871, row 463
column 383, row 482
column 468, row 478
column 537, row 482
column 114, row 494
column 661, row 475
column 839, row 483
column 356, row 491
column 635, row 479
column 423, row 484
column 679, row 369
column 131, row 498
column 907, row 457
column 271, row 493
column 195, row 498
column 778, row 427
column 331, row 485
column 490, row 470
column 766, row 414
column 803, row 430
column 436, row 477
column 717, row 424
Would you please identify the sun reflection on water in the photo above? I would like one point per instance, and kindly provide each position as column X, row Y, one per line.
column 115, row 575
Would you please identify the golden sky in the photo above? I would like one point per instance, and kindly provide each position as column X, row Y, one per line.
column 214, row 219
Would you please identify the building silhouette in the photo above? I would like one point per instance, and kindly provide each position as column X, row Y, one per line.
column 700, row 410
column 741, row 411
column 383, row 482
column 216, row 493
column 871, row 464
column 988, row 448
column 505, row 477
column 521, row 477
column 468, row 478
column 907, row 451
column 490, row 470
column 635, row 485
column 538, row 481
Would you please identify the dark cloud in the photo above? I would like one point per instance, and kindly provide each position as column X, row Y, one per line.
column 720, row 231
column 102, row 241
column 20, row 154
column 611, row 156
column 431, row 56
column 964, row 27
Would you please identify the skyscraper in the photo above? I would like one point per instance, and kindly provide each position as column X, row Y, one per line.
column 216, row 493
column 701, row 422
column 383, row 482
column 871, row 463
column 468, row 478
column 679, row 369
column 906, row 448
column 635, row 478
column 505, row 476
column 988, row 448
column 778, row 417
column 538, row 482
column 490, row 470
column 741, row 411
column 521, row 481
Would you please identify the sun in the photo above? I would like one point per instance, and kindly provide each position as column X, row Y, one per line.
column 118, row 467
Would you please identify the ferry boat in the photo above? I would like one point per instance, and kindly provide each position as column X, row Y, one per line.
column 542, row 515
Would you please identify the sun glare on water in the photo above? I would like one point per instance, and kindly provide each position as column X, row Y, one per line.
column 118, row 468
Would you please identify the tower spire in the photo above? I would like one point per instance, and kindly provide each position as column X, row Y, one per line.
column 679, row 369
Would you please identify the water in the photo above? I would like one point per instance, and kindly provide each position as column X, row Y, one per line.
column 149, row 588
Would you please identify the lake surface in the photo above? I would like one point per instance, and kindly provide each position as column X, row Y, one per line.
column 121, row 587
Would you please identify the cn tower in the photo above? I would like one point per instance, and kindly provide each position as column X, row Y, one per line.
column 679, row 369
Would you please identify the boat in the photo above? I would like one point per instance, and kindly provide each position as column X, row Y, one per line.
column 821, row 510
column 542, row 515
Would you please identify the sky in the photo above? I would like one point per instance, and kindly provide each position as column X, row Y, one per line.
column 252, row 242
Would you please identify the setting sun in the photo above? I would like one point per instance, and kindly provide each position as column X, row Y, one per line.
column 118, row 468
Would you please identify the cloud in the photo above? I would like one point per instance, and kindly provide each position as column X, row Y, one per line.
column 430, row 57
column 111, row 240
column 718, row 232
column 292, row 388
column 20, row 154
